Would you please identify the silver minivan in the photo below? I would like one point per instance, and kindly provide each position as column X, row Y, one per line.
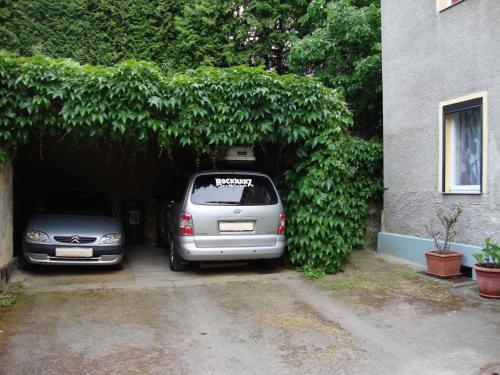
column 225, row 216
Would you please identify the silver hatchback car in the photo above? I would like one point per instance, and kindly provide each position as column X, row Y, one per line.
column 224, row 216
column 74, row 228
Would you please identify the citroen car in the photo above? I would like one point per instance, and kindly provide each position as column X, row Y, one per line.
column 225, row 216
column 74, row 228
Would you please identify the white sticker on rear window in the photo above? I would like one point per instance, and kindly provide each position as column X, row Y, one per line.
column 233, row 182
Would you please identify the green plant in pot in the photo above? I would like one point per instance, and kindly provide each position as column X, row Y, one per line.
column 442, row 261
column 488, row 269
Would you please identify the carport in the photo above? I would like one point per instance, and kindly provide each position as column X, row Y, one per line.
column 132, row 131
column 139, row 181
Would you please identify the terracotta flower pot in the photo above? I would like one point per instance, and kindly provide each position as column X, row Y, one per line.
column 488, row 280
column 443, row 265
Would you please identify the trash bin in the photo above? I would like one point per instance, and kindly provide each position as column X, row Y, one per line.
column 133, row 213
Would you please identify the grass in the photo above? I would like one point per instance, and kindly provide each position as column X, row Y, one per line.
column 313, row 273
column 8, row 297
column 373, row 283
column 474, row 289
column 358, row 283
column 307, row 322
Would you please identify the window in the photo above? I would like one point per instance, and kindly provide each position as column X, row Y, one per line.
column 77, row 203
column 444, row 4
column 463, row 139
column 233, row 189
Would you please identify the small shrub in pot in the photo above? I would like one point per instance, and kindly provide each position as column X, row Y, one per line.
column 488, row 269
column 441, row 261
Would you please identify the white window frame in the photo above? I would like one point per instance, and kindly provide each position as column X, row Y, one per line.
column 446, row 182
column 445, row 4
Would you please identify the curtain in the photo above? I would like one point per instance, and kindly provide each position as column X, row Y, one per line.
column 468, row 160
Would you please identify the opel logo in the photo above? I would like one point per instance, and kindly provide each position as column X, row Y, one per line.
column 237, row 212
column 75, row 239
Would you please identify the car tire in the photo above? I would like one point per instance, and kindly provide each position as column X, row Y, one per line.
column 160, row 242
column 24, row 264
column 118, row 266
column 176, row 262
column 271, row 264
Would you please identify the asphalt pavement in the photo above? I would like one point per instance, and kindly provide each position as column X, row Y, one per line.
column 377, row 317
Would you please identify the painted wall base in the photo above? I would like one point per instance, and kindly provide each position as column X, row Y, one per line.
column 414, row 248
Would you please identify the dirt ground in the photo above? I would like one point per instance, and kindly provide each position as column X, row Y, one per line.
column 376, row 317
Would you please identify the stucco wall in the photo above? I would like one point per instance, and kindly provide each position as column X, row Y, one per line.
column 5, row 214
column 430, row 57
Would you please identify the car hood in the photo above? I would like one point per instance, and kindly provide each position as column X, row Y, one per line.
column 69, row 225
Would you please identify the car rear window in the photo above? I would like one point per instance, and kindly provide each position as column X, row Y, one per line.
column 77, row 203
column 233, row 189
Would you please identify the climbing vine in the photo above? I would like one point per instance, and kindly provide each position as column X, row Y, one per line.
column 331, row 174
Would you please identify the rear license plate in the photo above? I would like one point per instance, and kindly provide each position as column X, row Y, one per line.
column 74, row 252
column 236, row 226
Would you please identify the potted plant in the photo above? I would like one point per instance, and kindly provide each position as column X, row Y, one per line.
column 442, row 262
column 488, row 270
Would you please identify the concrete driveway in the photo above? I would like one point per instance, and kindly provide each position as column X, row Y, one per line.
column 376, row 317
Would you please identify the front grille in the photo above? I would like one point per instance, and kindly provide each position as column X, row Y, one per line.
column 73, row 259
column 75, row 240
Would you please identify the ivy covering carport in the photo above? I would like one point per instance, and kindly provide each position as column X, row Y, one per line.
column 330, row 176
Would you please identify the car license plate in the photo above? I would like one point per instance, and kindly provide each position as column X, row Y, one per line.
column 74, row 252
column 236, row 226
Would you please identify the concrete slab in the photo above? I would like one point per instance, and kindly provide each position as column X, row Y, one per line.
column 145, row 266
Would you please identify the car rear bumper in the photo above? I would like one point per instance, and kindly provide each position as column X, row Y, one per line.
column 46, row 254
column 188, row 250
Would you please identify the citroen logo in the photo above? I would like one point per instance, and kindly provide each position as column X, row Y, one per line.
column 237, row 212
column 75, row 239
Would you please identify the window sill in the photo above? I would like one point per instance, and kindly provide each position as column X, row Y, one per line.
column 462, row 193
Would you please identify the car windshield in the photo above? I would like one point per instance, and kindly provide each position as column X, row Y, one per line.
column 233, row 189
column 77, row 203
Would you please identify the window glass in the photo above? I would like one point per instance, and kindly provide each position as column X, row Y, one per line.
column 233, row 189
column 77, row 203
column 467, row 152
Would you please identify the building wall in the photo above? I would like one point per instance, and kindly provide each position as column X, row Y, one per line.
column 428, row 58
column 6, row 248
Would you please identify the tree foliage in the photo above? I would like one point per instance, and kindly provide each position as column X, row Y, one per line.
column 330, row 175
column 95, row 31
column 338, row 41
column 8, row 13
column 176, row 34
column 343, row 50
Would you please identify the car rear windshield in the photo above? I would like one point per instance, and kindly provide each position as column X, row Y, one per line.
column 233, row 189
column 77, row 203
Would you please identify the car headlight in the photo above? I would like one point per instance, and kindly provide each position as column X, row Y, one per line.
column 37, row 236
column 111, row 238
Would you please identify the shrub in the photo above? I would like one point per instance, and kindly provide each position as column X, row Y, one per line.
column 448, row 222
column 489, row 257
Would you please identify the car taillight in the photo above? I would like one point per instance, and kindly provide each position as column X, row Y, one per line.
column 281, row 228
column 186, row 224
